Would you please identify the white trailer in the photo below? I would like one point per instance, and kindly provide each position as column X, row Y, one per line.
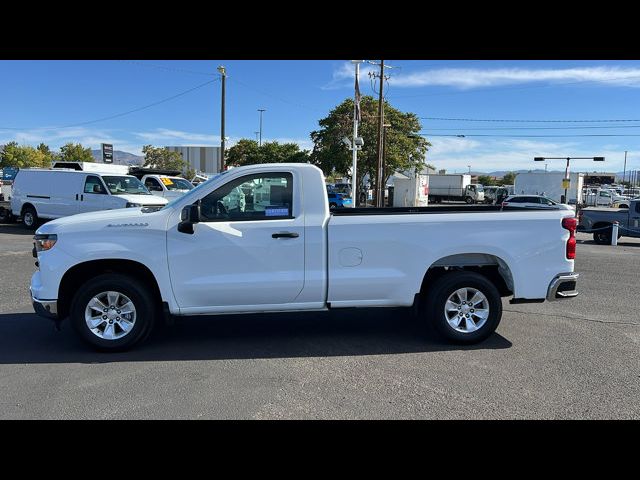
column 550, row 184
column 411, row 192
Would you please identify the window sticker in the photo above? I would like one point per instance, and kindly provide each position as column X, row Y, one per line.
column 276, row 212
column 166, row 181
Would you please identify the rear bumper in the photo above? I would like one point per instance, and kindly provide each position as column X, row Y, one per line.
column 45, row 308
column 563, row 286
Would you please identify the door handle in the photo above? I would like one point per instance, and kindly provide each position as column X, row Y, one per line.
column 285, row 235
column 76, row 196
column 82, row 197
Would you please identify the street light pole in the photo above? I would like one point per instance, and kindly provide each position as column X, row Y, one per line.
column 261, row 110
column 625, row 166
column 223, row 73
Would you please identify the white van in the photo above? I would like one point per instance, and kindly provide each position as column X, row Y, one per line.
column 54, row 193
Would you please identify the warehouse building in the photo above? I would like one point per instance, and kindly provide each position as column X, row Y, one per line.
column 201, row 159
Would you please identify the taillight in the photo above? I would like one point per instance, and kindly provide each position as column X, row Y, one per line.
column 570, row 223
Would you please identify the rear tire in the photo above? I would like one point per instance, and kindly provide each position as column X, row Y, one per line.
column 128, row 316
column 30, row 218
column 463, row 307
column 603, row 237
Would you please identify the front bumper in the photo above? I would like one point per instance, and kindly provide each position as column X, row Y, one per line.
column 563, row 286
column 44, row 308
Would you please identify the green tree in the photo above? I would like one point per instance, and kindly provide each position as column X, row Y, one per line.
column 405, row 149
column 157, row 157
column 75, row 152
column 48, row 154
column 14, row 155
column 486, row 180
column 248, row 152
column 508, row 178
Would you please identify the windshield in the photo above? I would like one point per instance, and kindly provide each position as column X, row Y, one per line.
column 121, row 185
column 192, row 195
column 175, row 183
column 480, row 188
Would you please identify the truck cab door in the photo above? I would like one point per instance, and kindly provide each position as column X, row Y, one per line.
column 246, row 250
column 634, row 218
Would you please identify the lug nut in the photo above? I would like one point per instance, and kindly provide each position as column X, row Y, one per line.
column 104, row 317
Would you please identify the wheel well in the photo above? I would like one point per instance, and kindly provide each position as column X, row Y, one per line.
column 79, row 274
column 24, row 206
column 493, row 268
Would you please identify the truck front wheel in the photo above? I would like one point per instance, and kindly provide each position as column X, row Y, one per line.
column 463, row 307
column 469, row 200
column 113, row 312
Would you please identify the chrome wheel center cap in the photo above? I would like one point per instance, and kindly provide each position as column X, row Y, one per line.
column 111, row 314
column 466, row 309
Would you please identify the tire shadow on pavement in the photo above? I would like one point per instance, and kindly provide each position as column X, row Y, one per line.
column 26, row 338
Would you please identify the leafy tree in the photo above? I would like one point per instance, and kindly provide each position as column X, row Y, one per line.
column 405, row 149
column 486, row 180
column 509, row 178
column 156, row 157
column 14, row 155
column 75, row 152
column 48, row 154
column 248, row 152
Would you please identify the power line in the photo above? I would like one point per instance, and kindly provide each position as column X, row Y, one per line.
column 525, row 121
column 117, row 114
column 527, row 136
column 537, row 128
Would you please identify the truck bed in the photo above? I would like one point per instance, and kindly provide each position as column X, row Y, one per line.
column 422, row 210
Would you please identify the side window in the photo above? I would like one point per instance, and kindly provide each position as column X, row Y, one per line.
column 638, row 206
column 93, row 185
column 264, row 196
column 152, row 185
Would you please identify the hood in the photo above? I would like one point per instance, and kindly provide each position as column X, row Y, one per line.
column 99, row 219
column 143, row 199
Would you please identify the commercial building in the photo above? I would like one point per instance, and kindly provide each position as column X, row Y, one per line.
column 201, row 159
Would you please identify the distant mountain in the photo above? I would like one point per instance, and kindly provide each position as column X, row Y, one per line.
column 120, row 157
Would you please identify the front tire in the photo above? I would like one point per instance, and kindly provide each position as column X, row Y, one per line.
column 469, row 200
column 463, row 307
column 113, row 312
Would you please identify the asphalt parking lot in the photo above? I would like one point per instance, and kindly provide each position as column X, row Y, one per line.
column 574, row 359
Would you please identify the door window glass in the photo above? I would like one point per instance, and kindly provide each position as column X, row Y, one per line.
column 93, row 185
column 264, row 196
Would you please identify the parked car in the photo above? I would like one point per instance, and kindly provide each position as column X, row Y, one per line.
column 48, row 194
column 115, row 273
column 338, row 200
column 600, row 221
column 166, row 186
column 535, row 201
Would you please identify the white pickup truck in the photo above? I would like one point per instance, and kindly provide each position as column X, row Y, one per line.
column 263, row 238
column 166, row 186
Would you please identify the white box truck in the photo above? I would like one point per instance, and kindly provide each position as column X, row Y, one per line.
column 411, row 192
column 454, row 187
column 550, row 185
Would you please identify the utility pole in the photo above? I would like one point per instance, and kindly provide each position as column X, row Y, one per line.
column 379, row 186
column 256, row 135
column 355, row 191
column 624, row 172
column 223, row 73
column 261, row 110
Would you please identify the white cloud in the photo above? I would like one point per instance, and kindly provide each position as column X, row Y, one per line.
column 468, row 78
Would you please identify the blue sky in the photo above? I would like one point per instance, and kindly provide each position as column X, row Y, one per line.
column 77, row 94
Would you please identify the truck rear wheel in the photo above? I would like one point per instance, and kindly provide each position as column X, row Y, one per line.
column 463, row 307
column 603, row 237
column 113, row 312
column 30, row 218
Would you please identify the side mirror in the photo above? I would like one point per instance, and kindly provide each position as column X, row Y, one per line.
column 189, row 216
column 97, row 188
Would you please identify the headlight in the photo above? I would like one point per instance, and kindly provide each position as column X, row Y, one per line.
column 44, row 242
column 133, row 205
